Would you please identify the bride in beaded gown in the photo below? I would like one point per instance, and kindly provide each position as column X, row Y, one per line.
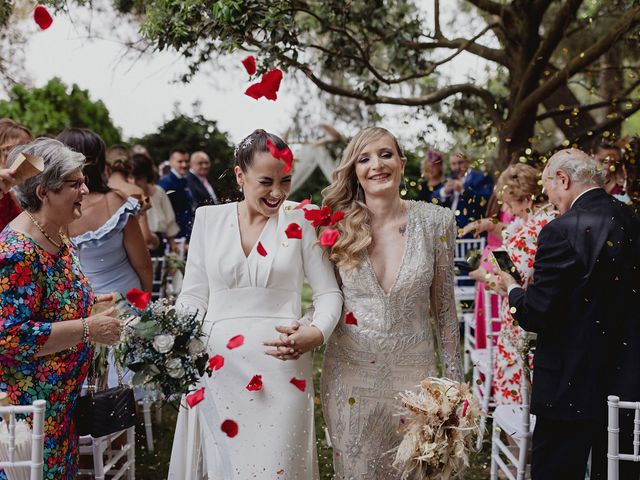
column 398, row 295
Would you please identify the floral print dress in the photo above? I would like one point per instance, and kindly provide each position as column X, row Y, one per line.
column 521, row 241
column 38, row 288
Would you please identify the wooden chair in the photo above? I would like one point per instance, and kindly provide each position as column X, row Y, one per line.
column 36, row 463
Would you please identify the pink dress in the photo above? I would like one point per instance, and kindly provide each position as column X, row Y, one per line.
column 493, row 242
column 521, row 241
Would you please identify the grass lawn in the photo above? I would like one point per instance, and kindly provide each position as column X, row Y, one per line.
column 154, row 465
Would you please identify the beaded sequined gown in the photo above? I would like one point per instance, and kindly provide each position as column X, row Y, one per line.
column 392, row 347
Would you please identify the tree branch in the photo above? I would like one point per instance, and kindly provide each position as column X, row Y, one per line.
column 488, row 53
column 488, row 6
column 608, row 123
column 429, row 99
column 578, row 63
column 540, row 59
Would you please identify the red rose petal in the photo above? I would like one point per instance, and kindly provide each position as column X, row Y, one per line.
column 230, row 428
column 304, row 202
column 255, row 383
column 285, row 155
column 250, row 64
column 293, row 231
column 195, row 398
column 336, row 217
column 216, row 362
column 350, row 319
column 267, row 87
column 319, row 217
column 235, row 342
column 300, row 384
column 42, row 17
column 329, row 237
column 464, row 408
column 138, row 298
column 261, row 250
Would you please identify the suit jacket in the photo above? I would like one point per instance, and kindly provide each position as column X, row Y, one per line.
column 472, row 203
column 199, row 191
column 583, row 304
column 181, row 200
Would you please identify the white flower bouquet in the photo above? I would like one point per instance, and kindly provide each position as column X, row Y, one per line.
column 162, row 346
column 441, row 423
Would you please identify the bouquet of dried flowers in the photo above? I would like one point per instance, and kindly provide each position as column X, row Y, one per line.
column 441, row 423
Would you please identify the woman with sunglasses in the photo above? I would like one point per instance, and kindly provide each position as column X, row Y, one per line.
column 46, row 321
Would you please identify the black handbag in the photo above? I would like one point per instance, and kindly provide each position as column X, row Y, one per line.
column 103, row 412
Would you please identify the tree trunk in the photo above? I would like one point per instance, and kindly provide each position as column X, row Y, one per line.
column 611, row 83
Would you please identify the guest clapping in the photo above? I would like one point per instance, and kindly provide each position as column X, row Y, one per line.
column 11, row 134
column 46, row 301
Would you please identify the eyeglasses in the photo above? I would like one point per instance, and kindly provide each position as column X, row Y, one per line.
column 76, row 184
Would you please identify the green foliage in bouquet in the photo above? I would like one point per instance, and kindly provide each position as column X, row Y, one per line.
column 161, row 345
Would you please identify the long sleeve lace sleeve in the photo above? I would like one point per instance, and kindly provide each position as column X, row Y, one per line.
column 443, row 304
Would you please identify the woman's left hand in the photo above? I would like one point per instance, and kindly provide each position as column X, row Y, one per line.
column 294, row 341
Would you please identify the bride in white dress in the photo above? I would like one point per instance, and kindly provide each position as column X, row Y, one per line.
column 244, row 273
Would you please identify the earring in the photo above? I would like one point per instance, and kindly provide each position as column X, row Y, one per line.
column 404, row 190
column 358, row 191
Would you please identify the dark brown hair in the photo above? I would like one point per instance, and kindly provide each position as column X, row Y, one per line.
column 142, row 167
column 91, row 145
column 256, row 142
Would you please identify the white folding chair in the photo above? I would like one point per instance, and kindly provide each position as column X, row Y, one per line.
column 613, row 443
column 516, row 422
column 463, row 292
column 181, row 243
column 36, row 463
column 100, row 447
column 483, row 360
column 159, row 273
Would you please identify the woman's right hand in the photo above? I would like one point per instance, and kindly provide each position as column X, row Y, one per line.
column 105, row 327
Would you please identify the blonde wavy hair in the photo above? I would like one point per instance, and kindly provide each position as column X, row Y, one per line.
column 522, row 182
column 346, row 195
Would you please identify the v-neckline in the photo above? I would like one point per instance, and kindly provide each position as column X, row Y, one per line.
column 402, row 261
column 255, row 245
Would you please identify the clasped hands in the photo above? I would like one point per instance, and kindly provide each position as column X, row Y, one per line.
column 453, row 184
column 294, row 341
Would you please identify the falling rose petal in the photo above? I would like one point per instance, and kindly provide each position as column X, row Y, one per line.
column 250, row 64
column 195, row 398
column 267, row 87
column 351, row 401
column 138, row 298
column 235, row 342
column 464, row 408
column 329, row 237
column 293, row 231
column 261, row 250
column 319, row 217
column 350, row 319
column 336, row 217
column 300, row 384
column 285, row 155
column 216, row 362
column 280, row 472
column 230, row 428
column 304, row 202
column 255, row 383
column 42, row 17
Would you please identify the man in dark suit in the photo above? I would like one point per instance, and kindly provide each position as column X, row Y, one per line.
column 583, row 304
column 175, row 184
column 466, row 191
column 198, row 182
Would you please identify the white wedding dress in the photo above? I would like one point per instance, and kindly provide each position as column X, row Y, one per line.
column 250, row 296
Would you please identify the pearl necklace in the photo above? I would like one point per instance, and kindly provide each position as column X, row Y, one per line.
column 46, row 235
